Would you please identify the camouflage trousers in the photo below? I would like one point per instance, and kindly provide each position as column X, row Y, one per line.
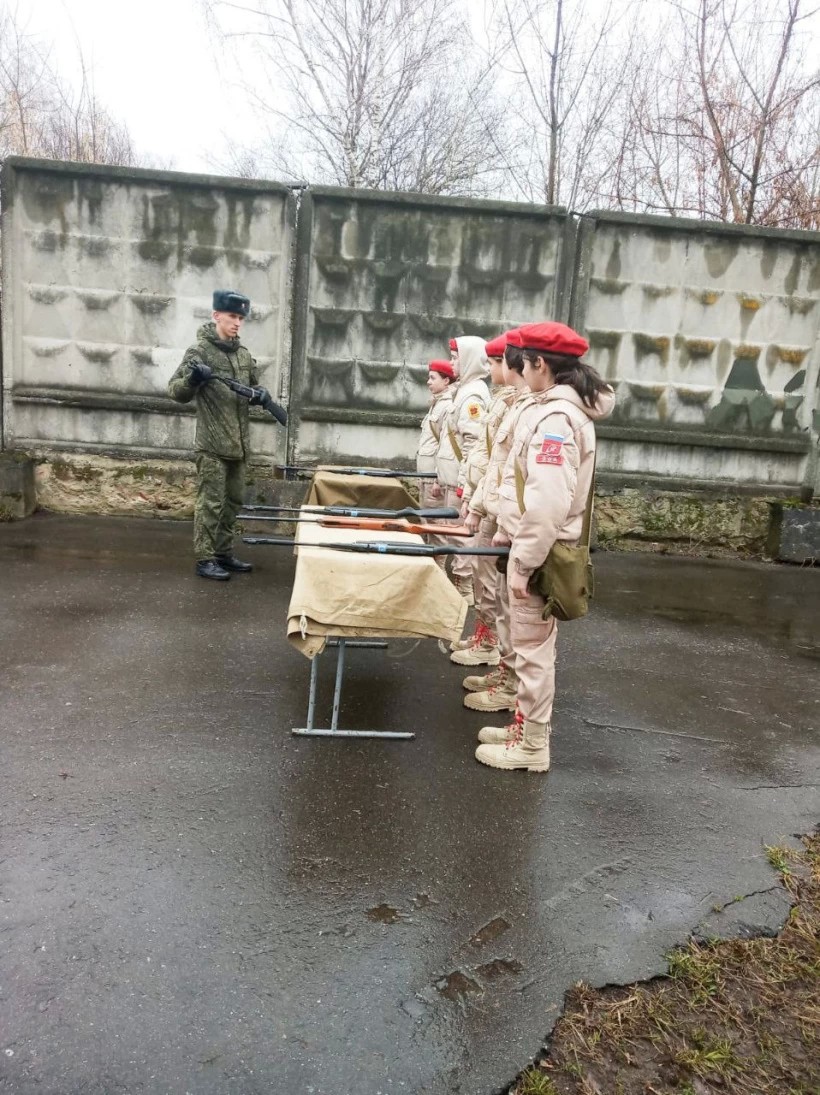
column 220, row 486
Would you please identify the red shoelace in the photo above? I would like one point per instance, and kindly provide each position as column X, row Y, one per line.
column 517, row 728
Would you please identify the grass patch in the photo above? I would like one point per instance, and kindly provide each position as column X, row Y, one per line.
column 736, row 1017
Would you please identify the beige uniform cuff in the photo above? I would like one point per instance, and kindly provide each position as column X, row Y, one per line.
column 521, row 569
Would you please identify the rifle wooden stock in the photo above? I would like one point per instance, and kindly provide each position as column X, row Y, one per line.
column 376, row 524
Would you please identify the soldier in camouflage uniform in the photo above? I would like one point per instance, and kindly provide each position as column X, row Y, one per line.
column 222, row 446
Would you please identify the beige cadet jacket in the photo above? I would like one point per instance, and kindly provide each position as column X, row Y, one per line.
column 431, row 427
column 461, row 429
column 551, row 464
column 475, row 466
column 485, row 497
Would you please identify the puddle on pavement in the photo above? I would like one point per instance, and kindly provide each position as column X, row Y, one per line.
column 774, row 603
column 458, row 986
column 499, row 967
column 384, row 914
column 423, row 901
column 492, row 930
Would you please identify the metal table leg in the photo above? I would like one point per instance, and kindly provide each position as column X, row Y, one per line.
column 333, row 731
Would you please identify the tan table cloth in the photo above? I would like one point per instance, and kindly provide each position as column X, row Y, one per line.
column 329, row 488
column 348, row 594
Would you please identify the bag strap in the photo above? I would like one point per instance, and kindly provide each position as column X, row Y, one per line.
column 587, row 528
column 454, row 443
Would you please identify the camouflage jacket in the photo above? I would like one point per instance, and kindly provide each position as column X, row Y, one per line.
column 221, row 415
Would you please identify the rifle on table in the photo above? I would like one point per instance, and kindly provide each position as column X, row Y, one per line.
column 380, row 547
column 242, row 390
column 374, row 524
column 389, row 473
column 347, row 511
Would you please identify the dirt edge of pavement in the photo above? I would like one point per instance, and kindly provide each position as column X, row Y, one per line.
column 732, row 1017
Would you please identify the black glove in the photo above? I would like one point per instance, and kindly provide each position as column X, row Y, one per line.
column 260, row 397
column 200, row 373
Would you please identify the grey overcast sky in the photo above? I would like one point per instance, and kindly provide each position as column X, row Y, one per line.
column 152, row 63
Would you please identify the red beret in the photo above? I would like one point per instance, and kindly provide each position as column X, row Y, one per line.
column 453, row 344
column 514, row 337
column 495, row 348
column 443, row 367
column 554, row 338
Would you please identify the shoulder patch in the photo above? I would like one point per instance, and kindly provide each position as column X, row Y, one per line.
column 474, row 410
column 552, row 449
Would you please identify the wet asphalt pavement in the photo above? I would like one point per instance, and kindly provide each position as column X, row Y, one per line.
column 192, row 900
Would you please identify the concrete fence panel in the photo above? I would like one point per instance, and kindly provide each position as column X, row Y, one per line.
column 107, row 274
column 710, row 334
column 383, row 282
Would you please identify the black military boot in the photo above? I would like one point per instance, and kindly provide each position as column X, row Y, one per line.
column 210, row 568
column 230, row 562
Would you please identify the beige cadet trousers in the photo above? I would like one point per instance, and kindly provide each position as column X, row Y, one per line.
column 428, row 501
column 460, row 565
column 502, row 623
column 533, row 641
column 485, row 574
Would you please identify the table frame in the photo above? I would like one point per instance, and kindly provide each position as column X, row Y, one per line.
column 333, row 730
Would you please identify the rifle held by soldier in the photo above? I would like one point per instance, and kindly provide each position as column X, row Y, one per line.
column 257, row 397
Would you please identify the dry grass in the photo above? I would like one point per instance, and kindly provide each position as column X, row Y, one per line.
column 740, row 1017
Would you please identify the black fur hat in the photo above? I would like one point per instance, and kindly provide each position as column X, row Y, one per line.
column 226, row 300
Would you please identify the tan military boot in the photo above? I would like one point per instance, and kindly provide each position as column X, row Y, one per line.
column 501, row 697
column 464, row 585
column 528, row 749
column 482, row 652
column 462, row 644
column 494, row 679
column 500, row 735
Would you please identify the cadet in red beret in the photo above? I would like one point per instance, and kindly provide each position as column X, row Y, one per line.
column 495, row 348
column 553, row 338
column 481, row 648
column 496, row 691
column 542, row 499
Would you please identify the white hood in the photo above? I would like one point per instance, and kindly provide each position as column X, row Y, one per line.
column 472, row 359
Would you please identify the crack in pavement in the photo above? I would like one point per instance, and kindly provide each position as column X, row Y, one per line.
column 741, row 898
column 776, row 786
column 652, row 730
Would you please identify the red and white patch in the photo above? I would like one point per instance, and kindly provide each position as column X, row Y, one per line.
column 473, row 410
column 552, row 450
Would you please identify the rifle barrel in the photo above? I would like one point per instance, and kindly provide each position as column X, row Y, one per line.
column 373, row 524
column 347, row 511
column 379, row 547
column 387, row 473
column 279, row 413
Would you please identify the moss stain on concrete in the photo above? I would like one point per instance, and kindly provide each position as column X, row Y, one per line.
column 626, row 519
column 684, row 522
